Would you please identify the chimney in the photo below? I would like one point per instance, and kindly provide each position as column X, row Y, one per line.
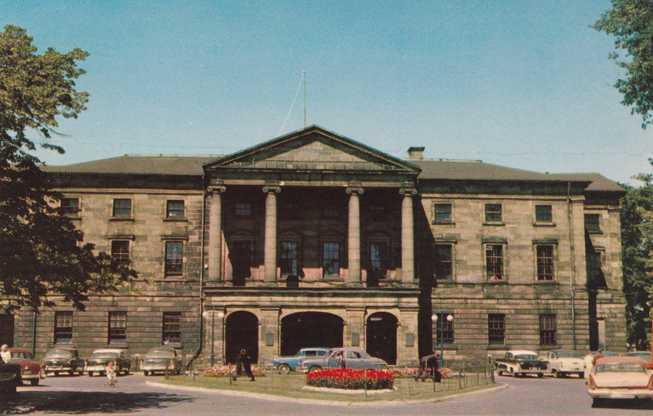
column 416, row 153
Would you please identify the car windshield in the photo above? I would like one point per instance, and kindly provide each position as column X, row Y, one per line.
column 105, row 355
column 58, row 353
column 525, row 357
column 160, row 353
column 620, row 368
column 569, row 354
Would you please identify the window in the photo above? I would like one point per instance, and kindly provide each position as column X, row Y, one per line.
column 242, row 258
column 494, row 261
column 545, row 262
column 174, row 258
column 171, row 327
column 493, row 213
column 377, row 212
column 122, row 208
column 543, row 213
column 175, row 209
column 547, row 329
column 330, row 212
column 63, row 327
column 120, row 251
column 378, row 259
column 444, row 333
column 289, row 258
column 443, row 268
column 442, row 213
column 243, row 209
column 117, row 327
column 496, row 328
column 331, row 258
column 69, row 206
column 592, row 223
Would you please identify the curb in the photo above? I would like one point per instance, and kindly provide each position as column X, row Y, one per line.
column 285, row 399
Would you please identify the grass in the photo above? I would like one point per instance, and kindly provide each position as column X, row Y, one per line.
column 291, row 386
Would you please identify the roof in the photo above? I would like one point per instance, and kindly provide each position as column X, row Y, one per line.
column 139, row 165
column 598, row 182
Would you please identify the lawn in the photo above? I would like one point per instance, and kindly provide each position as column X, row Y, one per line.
column 291, row 386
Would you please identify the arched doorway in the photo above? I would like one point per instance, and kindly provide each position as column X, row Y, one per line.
column 382, row 336
column 310, row 329
column 241, row 332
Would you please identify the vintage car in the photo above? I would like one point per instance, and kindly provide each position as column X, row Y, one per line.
column 520, row 363
column 353, row 358
column 565, row 363
column 290, row 363
column 98, row 361
column 160, row 360
column 63, row 360
column 619, row 378
column 30, row 369
column 9, row 378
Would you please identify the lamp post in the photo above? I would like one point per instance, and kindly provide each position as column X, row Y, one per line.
column 440, row 334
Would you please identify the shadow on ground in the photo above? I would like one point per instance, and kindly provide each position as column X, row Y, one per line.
column 625, row 404
column 75, row 402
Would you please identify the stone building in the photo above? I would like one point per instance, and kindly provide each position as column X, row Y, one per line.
column 314, row 239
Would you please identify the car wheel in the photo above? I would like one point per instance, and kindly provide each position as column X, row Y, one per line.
column 284, row 369
column 581, row 375
column 540, row 375
column 596, row 402
column 34, row 382
column 146, row 373
column 556, row 374
column 56, row 374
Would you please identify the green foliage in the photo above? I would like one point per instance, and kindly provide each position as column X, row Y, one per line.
column 41, row 252
column 631, row 23
column 637, row 246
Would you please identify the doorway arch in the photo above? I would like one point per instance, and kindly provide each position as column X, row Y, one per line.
column 381, row 339
column 310, row 329
column 241, row 332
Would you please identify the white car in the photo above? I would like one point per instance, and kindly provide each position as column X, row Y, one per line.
column 565, row 363
column 519, row 363
column 619, row 378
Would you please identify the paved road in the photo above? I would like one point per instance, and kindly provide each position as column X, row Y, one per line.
column 84, row 395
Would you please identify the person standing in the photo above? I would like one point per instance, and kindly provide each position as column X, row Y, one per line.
column 244, row 363
column 111, row 373
column 428, row 365
column 5, row 355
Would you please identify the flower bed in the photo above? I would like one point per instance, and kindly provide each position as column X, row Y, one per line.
column 347, row 378
column 411, row 372
column 226, row 371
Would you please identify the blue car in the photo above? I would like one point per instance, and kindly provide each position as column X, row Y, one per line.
column 291, row 363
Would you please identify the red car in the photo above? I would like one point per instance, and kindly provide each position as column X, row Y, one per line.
column 29, row 368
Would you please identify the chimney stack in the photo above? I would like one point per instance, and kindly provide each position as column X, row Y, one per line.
column 416, row 153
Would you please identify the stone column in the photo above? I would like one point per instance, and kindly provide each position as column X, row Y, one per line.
column 215, row 232
column 407, row 235
column 270, row 248
column 354, row 236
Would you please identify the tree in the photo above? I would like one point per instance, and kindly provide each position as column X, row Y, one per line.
column 637, row 245
column 631, row 23
column 41, row 252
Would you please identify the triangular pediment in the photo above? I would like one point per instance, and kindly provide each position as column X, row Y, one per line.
column 313, row 148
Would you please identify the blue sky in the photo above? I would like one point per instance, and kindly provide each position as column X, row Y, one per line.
column 522, row 83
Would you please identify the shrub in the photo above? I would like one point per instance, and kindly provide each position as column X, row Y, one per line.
column 347, row 378
column 227, row 370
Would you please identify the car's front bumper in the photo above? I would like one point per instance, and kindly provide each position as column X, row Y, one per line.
column 96, row 368
column 31, row 376
column 643, row 393
column 157, row 367
column 52, row 368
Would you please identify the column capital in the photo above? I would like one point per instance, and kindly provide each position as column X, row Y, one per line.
column 271, row 188
column 407, row 191
column 216, row 189
column 354, row 190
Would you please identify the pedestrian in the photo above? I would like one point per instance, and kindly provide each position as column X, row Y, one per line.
column 5, row 355
column 111, row 373
column 428, row 366
column 340, row 360
column 244, row 363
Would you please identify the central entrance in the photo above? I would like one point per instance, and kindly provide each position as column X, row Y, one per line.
column 310, row 329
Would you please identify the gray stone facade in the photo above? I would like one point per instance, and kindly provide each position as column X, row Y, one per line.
column 314, row 228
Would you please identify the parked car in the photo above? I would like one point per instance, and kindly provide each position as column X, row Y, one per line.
column 98, row 361
column 162, row 359
column 9, row 378
column 30, row 369
column 63, row 360
column 354, row 358
column 520, row 363
column 562, row 363
column 619, row 378
column 290, row 363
